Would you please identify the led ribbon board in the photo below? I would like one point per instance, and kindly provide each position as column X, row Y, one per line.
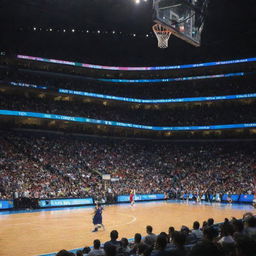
column 167, row 80
column 6, row 204
column 64, row 202
column 140, row 197
column 141, row 101
column 121, row 124
column 92, row 66
column 162, row 80
column 159, row 101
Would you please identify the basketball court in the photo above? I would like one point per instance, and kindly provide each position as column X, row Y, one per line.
column 44, row 232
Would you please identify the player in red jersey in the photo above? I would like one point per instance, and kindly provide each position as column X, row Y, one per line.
column 132, row 197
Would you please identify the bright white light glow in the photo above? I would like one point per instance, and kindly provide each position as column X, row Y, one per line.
column 73, row 30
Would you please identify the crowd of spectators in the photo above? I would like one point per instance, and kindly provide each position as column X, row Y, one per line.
column 189, row 88
column 225, row 113
column 234, row 237
column 54, row 166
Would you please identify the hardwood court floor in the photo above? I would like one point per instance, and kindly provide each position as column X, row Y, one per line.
column 44, row 232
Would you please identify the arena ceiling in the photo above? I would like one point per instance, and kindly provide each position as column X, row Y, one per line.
column 229, row 31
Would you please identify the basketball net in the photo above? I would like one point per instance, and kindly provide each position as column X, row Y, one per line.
column 162, row 34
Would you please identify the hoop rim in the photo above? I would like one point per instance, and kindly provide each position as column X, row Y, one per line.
column 162, row 34
column 166, row 30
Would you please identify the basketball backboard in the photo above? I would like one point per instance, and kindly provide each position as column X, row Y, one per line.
column 185, row 18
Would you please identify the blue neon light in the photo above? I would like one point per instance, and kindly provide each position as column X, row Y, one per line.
column 143, row 197
column 93, row 66
column 164, row 80
column 246, row 198
column 234, row 198
column 158, row 101
column 142, row 101
column 29, row 85
column 121, row 124
column 6, row 204
column 64, row 202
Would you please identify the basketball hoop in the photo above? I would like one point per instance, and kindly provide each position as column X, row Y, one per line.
column 162, row 34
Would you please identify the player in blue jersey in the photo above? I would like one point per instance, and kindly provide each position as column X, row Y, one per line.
column 97, row 218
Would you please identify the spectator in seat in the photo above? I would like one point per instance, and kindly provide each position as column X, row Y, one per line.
column 79, row 253
column 179, row 240
column 247, row 215
column 160, row 247
column 210, row 222
column 204, row 225
column 210, row 234
column 110, row 250
column 65, row 253
column 86, row 250
column 96, row 251
column 137, row 243
column 113, row 241
column 150, row 239
column 226, row 234
column 196, row 231
column 170, row 233
column 250, row 229
column 238, row 228
column 190, row 237
column 245, row 246
column 125, row 250
column 143, row 249
column 205, row 248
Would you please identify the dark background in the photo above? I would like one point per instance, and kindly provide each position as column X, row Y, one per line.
column 230, row 32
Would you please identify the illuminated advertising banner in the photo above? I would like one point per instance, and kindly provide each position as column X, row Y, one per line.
column 144, row 197
column 246, row 198
column 158, row 101
column 6, row 204
column 64, row 202
column 234, row 198
column 92, row 66
column 29, row 85
column 161, row 80
column 177, row 79
column 188, row 196
column 120, row 124
column 141, row 101
column 191, row 196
